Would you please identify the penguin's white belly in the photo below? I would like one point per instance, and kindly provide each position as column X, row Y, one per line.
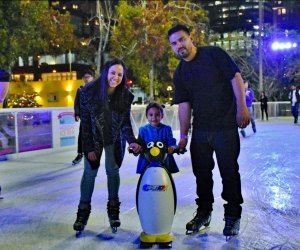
column 156, row 201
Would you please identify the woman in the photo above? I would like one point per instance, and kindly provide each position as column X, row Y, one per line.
column 105, row 118
column 263, row 105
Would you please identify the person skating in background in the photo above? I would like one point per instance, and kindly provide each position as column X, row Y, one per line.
column 294, row 96
column 105, row 106
column 264, row 105
column 208, row 82
column 88, row 76
column 156, row 131
column 249, row 94
column 4, row 79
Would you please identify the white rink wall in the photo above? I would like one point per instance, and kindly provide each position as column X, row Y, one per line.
column 28, row 131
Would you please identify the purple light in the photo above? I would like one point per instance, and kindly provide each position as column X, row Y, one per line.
column 283, row 45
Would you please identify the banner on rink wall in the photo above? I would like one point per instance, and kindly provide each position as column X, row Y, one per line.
column 34, row 130
column 7, row 133
column 67, row 128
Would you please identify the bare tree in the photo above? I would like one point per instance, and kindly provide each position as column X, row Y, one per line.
column 104, row 17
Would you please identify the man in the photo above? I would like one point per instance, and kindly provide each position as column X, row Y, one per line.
column 249, row 100
column 294, row 96
column 88, row 76
column 4, row 86
column 209, row 83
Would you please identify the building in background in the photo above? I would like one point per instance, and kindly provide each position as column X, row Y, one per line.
column 66, row 66
column 228, row 18
column 241, row 18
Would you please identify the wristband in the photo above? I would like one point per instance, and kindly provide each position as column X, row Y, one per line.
column 184, row 136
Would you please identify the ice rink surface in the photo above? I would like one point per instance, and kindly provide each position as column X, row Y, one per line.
column 41, row 194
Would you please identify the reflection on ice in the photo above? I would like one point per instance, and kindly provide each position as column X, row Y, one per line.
column 41, row 195
column 279, row 198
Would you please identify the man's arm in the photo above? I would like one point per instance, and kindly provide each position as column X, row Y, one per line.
column 77, row 105
column 242, row 115
column 184, row 114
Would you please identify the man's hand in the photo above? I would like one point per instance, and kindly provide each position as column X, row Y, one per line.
column 92, row 156
column 242, row 117
column 77, row 118
column 182, row 144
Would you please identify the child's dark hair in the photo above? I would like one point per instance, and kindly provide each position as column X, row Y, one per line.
column 155, row 105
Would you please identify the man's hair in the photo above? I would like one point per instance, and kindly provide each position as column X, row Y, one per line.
column 155, row 105
column 88, row 72
column 178, row 27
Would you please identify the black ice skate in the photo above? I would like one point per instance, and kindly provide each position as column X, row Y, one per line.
column 77, row 159
column 201, row 219
column 113, row 211
column 81, row 220
column 232, row 227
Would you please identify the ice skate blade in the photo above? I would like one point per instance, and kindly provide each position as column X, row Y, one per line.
column 229, row 237
column 202, row 229
column 78, row 234
column 114, row 229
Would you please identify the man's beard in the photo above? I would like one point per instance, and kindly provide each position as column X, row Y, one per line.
column 183, row 55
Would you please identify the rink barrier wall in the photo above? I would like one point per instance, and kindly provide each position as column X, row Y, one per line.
column 26, row 131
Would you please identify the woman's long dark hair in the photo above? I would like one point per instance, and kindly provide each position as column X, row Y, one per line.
column 102, row 83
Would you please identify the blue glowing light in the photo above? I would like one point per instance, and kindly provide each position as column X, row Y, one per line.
column 283, row 45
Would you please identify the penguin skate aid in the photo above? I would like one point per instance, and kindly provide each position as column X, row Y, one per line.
column 156, row 190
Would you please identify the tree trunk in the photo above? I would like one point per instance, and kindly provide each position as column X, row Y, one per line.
column 151, row 78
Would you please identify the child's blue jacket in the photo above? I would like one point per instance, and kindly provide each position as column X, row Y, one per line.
column 161, row 133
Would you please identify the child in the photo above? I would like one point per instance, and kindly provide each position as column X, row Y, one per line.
column 156, row 131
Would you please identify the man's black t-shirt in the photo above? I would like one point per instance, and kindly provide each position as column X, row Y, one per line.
column 205, row 82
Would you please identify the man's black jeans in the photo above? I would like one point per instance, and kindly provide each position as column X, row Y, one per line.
column 226, row 145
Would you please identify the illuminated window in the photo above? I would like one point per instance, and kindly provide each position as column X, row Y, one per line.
column 218, row 2
column 226, row 45
column 249, row 34
column 283, row 11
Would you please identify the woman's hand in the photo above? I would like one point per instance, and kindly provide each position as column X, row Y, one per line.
column 136, row 148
